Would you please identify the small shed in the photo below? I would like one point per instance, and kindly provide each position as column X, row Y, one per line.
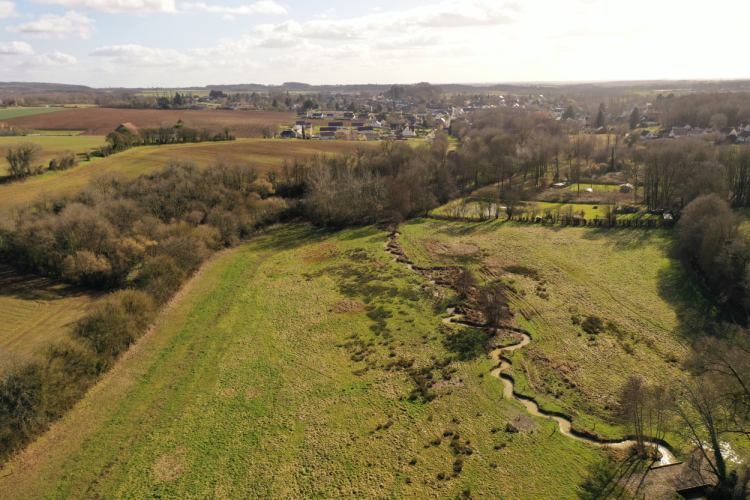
column 129, row 127
column 626, row 188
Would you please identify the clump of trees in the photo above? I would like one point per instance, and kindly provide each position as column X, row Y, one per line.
column 144, row 237
column 21, row 159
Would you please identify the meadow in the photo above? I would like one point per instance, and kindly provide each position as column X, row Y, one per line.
column 288, row 370
column 649, row 309
column 102, row 121
column 265, row 154
column 36, row 311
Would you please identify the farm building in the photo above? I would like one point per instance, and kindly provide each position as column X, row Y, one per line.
column 336, row 124
column 327, row 136
column 289, row 134
column 9, row 102
column 372, row 137
column 127, row 127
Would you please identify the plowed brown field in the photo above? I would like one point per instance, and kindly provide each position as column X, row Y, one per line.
column 102, row 121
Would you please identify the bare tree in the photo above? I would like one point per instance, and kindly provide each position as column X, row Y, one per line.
column 20, row 158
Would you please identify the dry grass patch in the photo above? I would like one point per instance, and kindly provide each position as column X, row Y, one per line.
column 349, row 306
column 169, row 466
column 439, row 248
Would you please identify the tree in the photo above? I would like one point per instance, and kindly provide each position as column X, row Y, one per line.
column 275, row 103
column 599, row 119
column 310, row 104
column 635, row 117
column 20, row 157
column 644, row 410
column 718, row 120
column 569, row 113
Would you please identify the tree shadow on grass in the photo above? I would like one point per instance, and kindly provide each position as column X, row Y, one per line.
column 621, row 239
column 697, row 312
column 32, row 287
column 290, row 236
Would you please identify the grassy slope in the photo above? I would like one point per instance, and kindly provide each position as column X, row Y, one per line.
column 36, row 311
column 265, row 154
column 52, row 145
column 247, row 391
column 8, row 113
column 623, row 275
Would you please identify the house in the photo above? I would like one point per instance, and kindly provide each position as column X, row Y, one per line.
column 327, row 136
column 317, row 116
column 743, row 136
column 646, row 135
column 350, row 137
column 336, row 124
column 348, row 116
column 602, row 130
column 727, row 131
column 377, row 124
column 358, row 124
column 364, row 117
column 407, row 132
column 649, row 122
column 9, row 102
column 678, row 132
column 372, row 137
column 365, row 130
column 744, row 126
column 301, row 123
column 289, row 134
column 129, row 127
column 697, row 133
column 626, row 188
column 682, row 125
column 328, row 129
column 689, row 479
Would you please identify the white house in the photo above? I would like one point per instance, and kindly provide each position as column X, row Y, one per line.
column 646, row 135
column 743, row 136
column 407, row 132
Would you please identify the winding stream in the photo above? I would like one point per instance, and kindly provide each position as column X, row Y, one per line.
column 564, row 423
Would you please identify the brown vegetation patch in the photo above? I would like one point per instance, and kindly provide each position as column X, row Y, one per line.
column 251, row 393
column 322, row 253
column 169, row 466
column 349, row 306
column 378, row 263
column 230, row 391
column 523, row 422
column 438, row 248
column 564, row 370
column 495, row 267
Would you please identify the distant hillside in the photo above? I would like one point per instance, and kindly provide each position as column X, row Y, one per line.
column 38, row 87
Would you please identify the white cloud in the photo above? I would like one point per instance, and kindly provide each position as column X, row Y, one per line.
column 447, row 14
column 228, row 17
column 7, row 9
column 137, row 55
column 263, row 7
column 55, row 58
column 15, row 48
column 71, row 25
column 116, row 6
column 412, row 41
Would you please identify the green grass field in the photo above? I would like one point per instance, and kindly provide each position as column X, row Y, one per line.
column 282, row 374
column 51, row 145
column 265, row 154
column 624, row 276
column 16, row 112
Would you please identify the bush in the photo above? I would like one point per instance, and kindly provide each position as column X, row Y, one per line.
column 113, row 323
column 160, row 277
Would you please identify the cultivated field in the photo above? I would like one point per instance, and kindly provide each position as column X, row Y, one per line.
column 102, row 121
column 287, row 372
column 36, row 311
column 265, row 154
column 557, row 277
column 8, row 113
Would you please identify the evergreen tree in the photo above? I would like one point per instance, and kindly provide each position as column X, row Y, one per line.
column 634, row 117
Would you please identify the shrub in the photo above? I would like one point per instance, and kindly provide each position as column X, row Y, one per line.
column 160, row 277
column 113, row 323
column 593, row 325
column 21, row 405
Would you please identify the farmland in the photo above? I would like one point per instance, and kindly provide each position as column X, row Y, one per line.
column 8, row 113
column 52, row 145
column 102, row 121
column 36, row 311
column 281, row 374
column 265, row 154
column 557, row 277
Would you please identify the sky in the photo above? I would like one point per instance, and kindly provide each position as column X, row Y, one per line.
column 171, row 43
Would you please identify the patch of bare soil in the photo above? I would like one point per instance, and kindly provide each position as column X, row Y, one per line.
column 251, row 393
column 169, row 466
column 523, row 422
column 349, row 306
column 437, row 248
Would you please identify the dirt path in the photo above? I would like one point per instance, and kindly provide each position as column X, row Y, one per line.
column 499, row 355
